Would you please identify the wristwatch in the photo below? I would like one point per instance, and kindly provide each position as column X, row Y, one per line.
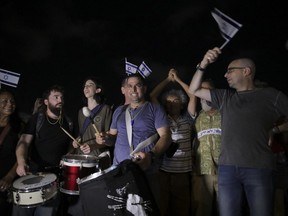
column 198, row 67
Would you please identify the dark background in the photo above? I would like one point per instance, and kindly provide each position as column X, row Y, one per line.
column 63, row 41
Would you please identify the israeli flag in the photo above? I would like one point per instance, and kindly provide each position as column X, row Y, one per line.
column 9, row 78
column 130, row 68
column 144, row 70
column 227, row 25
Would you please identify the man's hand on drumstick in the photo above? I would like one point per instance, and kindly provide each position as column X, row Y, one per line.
column 76, row 142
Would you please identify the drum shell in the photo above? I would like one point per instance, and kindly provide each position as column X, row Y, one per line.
column 101, row 190
column 33, row 195
column 74, row 167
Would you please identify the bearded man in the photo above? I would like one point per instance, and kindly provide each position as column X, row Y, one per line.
column 42, row 146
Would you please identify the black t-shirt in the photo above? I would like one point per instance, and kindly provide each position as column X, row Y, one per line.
column 50, row 143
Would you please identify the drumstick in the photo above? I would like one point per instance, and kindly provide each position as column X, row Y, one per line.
column 70, row 136
column 93, row 124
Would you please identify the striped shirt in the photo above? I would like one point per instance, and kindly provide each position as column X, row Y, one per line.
column 181, row 131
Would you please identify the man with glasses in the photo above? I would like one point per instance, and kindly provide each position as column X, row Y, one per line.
column 248, row 114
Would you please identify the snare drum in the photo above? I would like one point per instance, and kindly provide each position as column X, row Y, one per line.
column 74, row 167
column 34, row 189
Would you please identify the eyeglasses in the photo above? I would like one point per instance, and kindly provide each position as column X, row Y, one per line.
column 234, row 68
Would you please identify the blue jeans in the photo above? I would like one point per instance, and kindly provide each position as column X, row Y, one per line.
column 236, row 182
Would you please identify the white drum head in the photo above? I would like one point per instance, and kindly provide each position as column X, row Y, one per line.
column 80, row 160
column 31, row 181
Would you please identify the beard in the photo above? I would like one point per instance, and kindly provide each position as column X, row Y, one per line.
column 56, row 110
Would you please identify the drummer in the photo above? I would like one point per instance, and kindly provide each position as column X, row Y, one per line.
column 95, row 116
column 43, row 144
column 146, row 121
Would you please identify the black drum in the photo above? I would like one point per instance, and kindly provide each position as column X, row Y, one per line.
column 118, row 190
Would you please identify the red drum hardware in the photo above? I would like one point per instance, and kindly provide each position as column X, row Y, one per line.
column 74, row 167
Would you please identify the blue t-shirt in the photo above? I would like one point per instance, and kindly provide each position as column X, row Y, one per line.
column 147, row 119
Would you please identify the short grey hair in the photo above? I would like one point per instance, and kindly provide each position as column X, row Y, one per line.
column 175, row 92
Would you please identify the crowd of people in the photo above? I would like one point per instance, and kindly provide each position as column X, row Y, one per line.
column 228, row 158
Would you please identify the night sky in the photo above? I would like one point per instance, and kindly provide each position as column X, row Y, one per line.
column 63, row 41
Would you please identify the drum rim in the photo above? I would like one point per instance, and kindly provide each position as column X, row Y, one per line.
column 70, row 192
column 86, row 158
column 95, row 175
column 80, row 164
column 25, row 190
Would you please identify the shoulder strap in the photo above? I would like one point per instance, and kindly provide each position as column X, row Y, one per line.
column 141, row 145
column 129, row 128
column 39, row 123
column 88, row 120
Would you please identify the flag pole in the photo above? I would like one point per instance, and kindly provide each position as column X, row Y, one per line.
column 224, row 44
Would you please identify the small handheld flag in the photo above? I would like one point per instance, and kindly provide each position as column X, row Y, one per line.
column 227, row 25
column 9, row 78
column 130, row 68
column 144, row 70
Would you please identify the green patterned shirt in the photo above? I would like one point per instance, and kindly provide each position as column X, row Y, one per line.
column 207, row 143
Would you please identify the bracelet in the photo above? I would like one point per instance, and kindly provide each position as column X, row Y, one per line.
column 198, row 67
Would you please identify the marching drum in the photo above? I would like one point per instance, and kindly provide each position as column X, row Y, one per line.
column 34, row 189
column 74, row 167
column 118, row 190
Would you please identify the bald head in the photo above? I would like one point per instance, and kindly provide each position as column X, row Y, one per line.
column 246, row 62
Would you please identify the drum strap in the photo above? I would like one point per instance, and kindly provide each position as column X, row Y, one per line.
column 141, row 145
column 4, row 133
column 87, row 121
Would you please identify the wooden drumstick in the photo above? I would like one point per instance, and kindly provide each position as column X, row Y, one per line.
column 70, row 136
column 94, row 126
